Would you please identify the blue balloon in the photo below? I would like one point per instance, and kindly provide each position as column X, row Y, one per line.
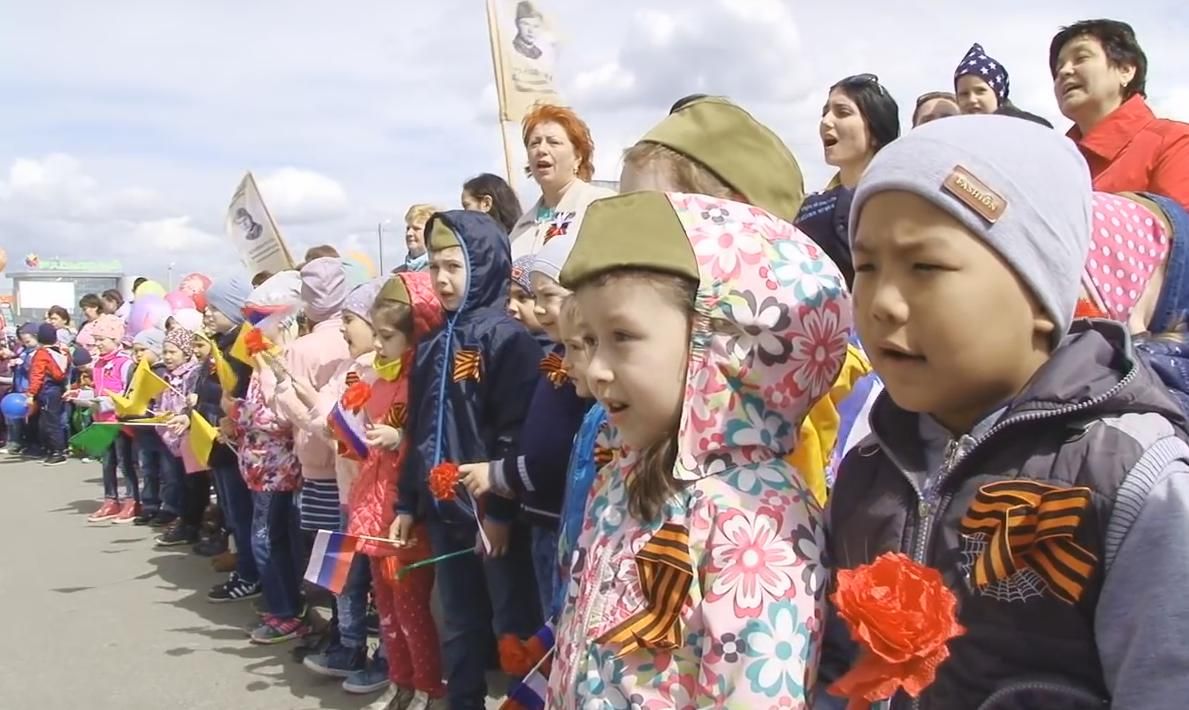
column 14, row 406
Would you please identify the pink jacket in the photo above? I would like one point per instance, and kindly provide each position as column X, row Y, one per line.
column 111, row 377
column 313, row 358
column 345, row 469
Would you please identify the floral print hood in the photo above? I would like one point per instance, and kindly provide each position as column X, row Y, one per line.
column 769, row 338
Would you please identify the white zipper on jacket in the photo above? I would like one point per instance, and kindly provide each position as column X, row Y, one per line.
column 957, row 451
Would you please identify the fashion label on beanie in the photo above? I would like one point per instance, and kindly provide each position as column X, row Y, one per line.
column 1021, row 188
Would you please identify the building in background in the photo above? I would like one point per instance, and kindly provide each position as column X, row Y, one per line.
column 38, row 284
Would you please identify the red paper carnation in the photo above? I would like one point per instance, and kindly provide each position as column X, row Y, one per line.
column 902, row 615
column 443, row 481
column 517, row 656
column 255, row 342
column 356, row 396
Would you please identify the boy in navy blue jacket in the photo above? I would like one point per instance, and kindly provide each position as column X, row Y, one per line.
column 469, row 396
column 535, row 474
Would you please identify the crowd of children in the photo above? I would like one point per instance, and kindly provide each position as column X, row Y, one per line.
column 635, row 465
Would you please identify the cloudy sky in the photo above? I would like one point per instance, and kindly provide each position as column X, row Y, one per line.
column 127, row 125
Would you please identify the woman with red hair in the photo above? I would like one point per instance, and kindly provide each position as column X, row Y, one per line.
column 561, row 160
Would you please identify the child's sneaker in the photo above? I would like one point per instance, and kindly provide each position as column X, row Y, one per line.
column 337, row 662
column 163, row 519
column 277, row 630
column 394, row 698
column 234, row 590
column 55, row 459
column 128, row 512
column 145, row 518
column 107, row 512
column 422, row 701
column 373, row 678
column 179, row 534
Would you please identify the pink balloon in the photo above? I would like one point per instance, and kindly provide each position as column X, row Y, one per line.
column 178, row 300
column 148, row 311
column 194, row 283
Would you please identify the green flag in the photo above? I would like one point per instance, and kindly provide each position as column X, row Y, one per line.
column 95, row 440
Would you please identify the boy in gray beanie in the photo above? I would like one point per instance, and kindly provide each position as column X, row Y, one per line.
column 1041, row 468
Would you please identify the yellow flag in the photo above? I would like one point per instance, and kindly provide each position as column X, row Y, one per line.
column 146, row 385
column 144, row 388
column 239, row 349
column 201, row 438
column 125, row 407
column 223, row 370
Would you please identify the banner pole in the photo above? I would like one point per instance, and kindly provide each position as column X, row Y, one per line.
column 276, row 230
column 493, row 34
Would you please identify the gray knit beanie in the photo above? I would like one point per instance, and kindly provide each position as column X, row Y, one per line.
column 1020, row 187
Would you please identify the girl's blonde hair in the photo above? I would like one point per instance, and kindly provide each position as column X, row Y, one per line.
column 420, row 213
column 652, row 483
column 570, row 311
column 685, row 173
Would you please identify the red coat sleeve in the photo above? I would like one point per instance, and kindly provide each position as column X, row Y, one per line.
column 43, row 366
column 1170, row 175
column 38, row 370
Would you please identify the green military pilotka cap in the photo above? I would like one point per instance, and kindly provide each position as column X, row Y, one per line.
column 394, row 289
column 636, row 230
column 744, row 153
column 441, row 236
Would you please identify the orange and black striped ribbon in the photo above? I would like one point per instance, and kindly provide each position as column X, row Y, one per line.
column 397, row 415
column 666, row 573
column 466, row 365
column 352, row 378
column 1031, row 524
column 603, row 456
column 551, row 367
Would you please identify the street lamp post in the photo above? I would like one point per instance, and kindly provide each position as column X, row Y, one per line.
column 380, row 243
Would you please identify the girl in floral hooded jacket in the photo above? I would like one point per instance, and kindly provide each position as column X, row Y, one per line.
column 696, row 581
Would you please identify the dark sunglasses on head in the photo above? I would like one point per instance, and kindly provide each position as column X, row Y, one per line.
column 864, row 78
column 935, row 95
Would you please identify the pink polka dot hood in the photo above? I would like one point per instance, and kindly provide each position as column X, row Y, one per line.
column 1128, row 244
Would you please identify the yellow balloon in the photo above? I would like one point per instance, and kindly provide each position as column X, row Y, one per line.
column 149, row 288
column 365, row 261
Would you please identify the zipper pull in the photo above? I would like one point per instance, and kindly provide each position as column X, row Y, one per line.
column 923, row 508
column 950, row 457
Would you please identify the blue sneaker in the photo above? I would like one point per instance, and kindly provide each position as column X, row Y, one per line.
column 337, row 661
column 371, row 679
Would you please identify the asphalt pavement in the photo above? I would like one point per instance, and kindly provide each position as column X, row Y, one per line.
column 99, row 618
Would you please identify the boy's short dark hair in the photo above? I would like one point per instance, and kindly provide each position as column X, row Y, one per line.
column 321, row 251
column 1118, row 42
column 114, row 296
column 90, row 300
column 261, row 277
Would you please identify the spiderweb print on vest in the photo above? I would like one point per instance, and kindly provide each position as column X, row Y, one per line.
column 1025, row 584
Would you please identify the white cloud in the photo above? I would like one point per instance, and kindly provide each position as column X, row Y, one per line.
column 298, row 196
column 174, row 236
column 130, row 136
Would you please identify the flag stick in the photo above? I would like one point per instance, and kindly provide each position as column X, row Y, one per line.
column 493, row 33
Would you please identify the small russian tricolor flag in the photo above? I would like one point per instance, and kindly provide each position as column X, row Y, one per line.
column 331, row 559
column 347, row 428
column 528, row 694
